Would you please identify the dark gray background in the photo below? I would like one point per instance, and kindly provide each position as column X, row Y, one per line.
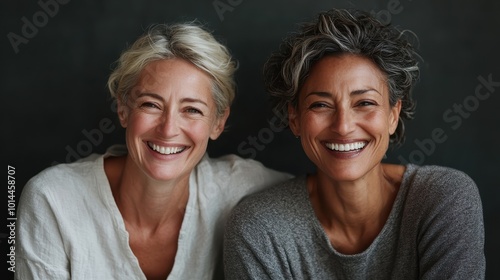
column 54, row 98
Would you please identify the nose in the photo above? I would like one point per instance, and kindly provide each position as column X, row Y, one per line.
column 168, row 125
column 343, row 121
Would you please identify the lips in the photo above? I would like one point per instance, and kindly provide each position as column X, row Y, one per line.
column 346, row 147
column 166, row 150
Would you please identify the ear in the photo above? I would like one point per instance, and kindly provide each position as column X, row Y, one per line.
column 394, row 117
column 220, row 123
column 123, row 112
column 293, row 120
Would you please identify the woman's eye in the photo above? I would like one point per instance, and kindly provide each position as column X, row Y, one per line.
column 194, row 111
column 318, row 106
column 365, row 103
column 149, row 105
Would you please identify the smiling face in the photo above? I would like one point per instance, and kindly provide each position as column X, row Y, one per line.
column 169, row 117
column 344, row 117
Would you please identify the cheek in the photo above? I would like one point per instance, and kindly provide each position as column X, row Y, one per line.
column 198, row 130
column 310, row 122
column 138, row 123
column 375, row 116
column 378, row 121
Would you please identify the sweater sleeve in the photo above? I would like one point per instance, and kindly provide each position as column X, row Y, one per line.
column 40, row 250
column 451, row 240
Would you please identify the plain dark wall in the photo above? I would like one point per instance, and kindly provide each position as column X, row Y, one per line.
column 56, row 108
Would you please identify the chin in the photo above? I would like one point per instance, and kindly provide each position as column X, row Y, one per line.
column 350, row 174
column 164, row 173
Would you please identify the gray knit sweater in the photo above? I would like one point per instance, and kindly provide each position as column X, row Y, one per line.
column 434, row 231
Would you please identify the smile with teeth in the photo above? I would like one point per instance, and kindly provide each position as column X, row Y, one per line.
column 346, row 147
column 166, row 150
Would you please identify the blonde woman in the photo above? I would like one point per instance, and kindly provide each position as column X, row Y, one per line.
column 154, row 209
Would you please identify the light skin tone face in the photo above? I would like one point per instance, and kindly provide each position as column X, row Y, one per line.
column 169, row 117
column 344, row 117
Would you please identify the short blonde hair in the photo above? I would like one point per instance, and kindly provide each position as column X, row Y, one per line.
column 187, row 41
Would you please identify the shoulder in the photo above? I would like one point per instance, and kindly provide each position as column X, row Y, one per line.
column 441, row 189
column 440, row 180
column 58, row 179
column 233, row 163
column 273, row 205
column 234, row 171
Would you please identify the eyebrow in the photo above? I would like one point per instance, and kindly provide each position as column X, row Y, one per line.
column 153, row 95
column 354, row 92
column 361, row 91
column 193, row 100
column 183, row 100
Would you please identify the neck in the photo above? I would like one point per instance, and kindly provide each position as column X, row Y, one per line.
column 355, row 212
column 143, row 202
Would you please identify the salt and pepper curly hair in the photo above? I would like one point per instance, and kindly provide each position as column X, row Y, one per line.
column 337, row 32
column 188, row 41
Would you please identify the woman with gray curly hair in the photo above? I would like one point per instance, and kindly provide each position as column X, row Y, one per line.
column 346, row 81
column 156, row 208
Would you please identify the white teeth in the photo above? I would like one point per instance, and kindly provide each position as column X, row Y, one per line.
column 345, row 147
column 166, row 150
